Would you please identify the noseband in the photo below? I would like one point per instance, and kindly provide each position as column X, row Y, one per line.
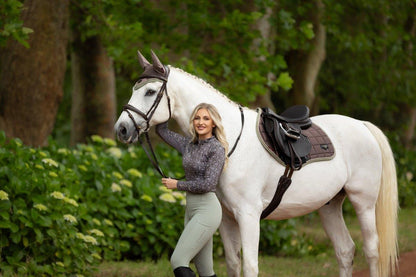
column 148, row 116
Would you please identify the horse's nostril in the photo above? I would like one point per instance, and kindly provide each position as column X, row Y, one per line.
column 123, row 130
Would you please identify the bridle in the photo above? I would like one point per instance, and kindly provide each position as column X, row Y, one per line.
column 149, row 114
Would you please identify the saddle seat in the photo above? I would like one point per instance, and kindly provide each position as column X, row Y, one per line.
column 298, row 114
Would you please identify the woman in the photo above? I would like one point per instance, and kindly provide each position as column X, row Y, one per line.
column 203, row 158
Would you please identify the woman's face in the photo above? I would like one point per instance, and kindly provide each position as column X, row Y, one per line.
column 203, row 124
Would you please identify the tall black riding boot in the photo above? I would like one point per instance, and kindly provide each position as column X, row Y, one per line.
column 183, row 271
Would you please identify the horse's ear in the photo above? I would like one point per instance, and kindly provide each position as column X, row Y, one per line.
column 157, row 65
column 142, row 60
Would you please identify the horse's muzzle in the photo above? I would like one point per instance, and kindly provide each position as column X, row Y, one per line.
column 126, row 133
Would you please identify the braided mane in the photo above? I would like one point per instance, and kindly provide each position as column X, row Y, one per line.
column 204, row 83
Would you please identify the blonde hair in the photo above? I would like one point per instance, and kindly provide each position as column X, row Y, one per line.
column 218, row 131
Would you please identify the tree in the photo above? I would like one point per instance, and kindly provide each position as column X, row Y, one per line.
column 368, row 72
column 93, row 95
column 305, row 64
column 31, row 78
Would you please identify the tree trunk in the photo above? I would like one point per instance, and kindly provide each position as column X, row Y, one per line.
column 31, row 80
column 93, row 109
column 410, row 132
column 267, row 36
column 305, row 66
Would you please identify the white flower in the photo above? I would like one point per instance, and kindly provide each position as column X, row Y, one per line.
column 40, row 207
column 115, row 187
column 3, row 195
column 97, row 138
column 115, row 152
column 126, row 183
column 117, row 175
column 164, row 189
column 57, row 195
column 167, row 197
column 70, row 201
column 96, row 232
column 146, row 198
column 90, row 239
column 135, row 172
column 178, row 195
column 50, row 162
column 70, row 218
column 63, row 151
column 110, row 142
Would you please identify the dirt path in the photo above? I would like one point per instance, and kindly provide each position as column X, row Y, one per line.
column 407, row 266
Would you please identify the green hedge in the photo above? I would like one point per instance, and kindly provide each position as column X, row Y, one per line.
column 64, row 210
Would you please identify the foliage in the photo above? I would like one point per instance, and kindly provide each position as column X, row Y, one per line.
column 406, row 167
column 369, row 72
column 11, row 26
column 64, row 210
column 40, row 219
column 200, row 39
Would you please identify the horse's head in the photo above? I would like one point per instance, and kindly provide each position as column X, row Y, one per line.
column 149, row 103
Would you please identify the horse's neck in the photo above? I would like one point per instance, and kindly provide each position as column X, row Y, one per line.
column 190, row 91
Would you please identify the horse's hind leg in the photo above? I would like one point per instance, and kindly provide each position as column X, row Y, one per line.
column 230, row 235
column 335, row 228
column 367, row 218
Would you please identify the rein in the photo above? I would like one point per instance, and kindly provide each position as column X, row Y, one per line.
column 149, row 114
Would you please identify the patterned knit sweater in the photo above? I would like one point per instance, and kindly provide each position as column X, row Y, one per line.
column 202, row 161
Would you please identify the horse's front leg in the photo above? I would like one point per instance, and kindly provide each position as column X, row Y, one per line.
column 249, row 222
column 230, row 236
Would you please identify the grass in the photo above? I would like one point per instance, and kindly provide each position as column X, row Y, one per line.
column 323, row 264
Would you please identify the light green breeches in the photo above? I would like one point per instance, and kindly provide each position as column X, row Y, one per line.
column 202, row 219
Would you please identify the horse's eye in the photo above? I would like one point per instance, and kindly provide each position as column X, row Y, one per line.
column 150, row 92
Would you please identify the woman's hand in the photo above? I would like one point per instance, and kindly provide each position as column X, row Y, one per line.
column 170, row 183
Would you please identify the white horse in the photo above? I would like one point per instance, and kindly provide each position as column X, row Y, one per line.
column 363, row 169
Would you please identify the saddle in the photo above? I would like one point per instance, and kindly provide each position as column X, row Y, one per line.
column 293, row 140
column 284, row 133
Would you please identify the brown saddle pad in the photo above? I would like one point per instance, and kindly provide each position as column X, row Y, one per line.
column 322, row 148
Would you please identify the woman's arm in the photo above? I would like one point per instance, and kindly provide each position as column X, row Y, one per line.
column 175, row 140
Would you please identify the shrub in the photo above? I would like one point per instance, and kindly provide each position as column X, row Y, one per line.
column 40, row 220
column 406, row 166
column 63, row 210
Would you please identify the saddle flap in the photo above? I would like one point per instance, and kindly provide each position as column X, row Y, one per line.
column 286, row 135
column 300, row 147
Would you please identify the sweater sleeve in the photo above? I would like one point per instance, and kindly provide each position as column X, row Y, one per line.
column 175, row 140
column 209, row 181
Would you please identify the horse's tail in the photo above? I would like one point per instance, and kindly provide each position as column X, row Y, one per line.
column 386, row 207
